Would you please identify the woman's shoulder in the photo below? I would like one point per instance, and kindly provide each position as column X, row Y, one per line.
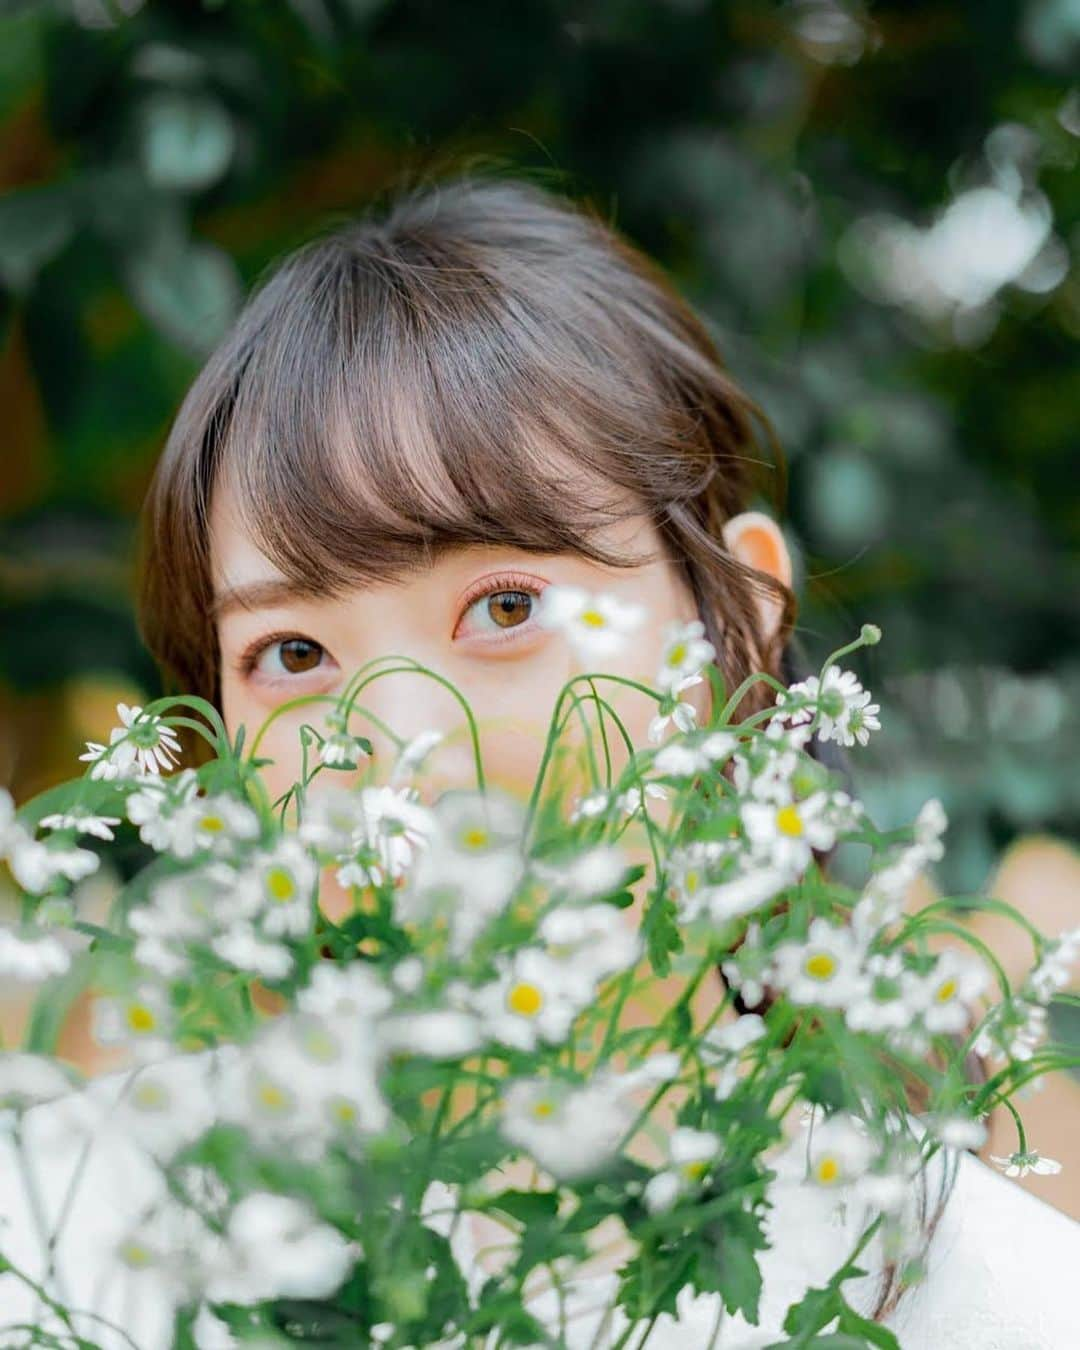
column 78, row 1199
column 1001, row 1271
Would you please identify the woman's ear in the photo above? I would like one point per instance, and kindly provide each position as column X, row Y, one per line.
column 756, row 540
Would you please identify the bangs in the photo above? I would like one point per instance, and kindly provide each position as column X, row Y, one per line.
column 390, row 411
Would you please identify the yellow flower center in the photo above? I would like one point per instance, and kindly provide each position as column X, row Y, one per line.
column 150, row 1096
column 279, row 884
column 593, row 618
column 828, row 1169
column 141, row 1018
column 525, row 999
column 788, row 821
column 342, row 1111
column 272, row 1097
column 544, row 1109
column 694, row 1171
column 946, row 991
column 320, row 1046
column 693, row 880
column 677, row 655
column 212, row 824
column 820, row 966
column 135, row 1254
column 475, row 837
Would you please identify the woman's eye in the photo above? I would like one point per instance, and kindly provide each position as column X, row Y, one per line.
column 500, row 611
column 290, row 656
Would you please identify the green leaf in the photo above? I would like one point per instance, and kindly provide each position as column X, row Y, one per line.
column 526, row 1206
column 35, row 224
column 189, row 289
column 661, row 931
column 733, row 1266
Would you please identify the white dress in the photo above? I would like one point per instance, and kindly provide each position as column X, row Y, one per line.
column 1003, row 1266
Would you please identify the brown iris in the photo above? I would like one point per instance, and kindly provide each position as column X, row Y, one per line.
column 298, row 655
column 503, row 605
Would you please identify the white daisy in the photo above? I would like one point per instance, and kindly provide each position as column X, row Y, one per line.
column 155, row 804
column 847, row 715
column 142, row 1019
column 692, row 1152
column 593, row 871
column 693, row 867
column 190, row 904
column 339, row 749
column 839, row 1151
column 719, row 745
column 81, row 821
column 958, row 1131
column 592, row 942
column 930, row 825
column 943, row 997
column 216, row 823
column 536, row 998
column 36, row 865
column 9, row 827
column 114, row 761
column 1022, row 1027
column 436, row 1033
column 825, row 969
column 26, row 1080
column 634, row 800
column 722, row 1047
column 787, row 833
column 884, row 895
column 590, row 805
column 1054, row 970
column 755, row 886
column 885, row 1005
column 768, row 777
column 1019, row 1164
column 749, row 969
column 31, row 958
column 679, row 760
column 684, row 715
column 243, row 948
column 277, row 1247
column 685, row 652
column 279, row 886
column 469, row 868
column 353, row 991
column 597, row 625
column 570, row 1130
column 143, row 739
column 393, row 826
column 164, row 1110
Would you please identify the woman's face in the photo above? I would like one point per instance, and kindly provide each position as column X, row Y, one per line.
column 470, row 618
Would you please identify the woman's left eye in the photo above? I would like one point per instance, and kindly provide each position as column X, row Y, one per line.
column 504, row 606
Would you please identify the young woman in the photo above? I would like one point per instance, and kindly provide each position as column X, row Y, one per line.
column 419, row 422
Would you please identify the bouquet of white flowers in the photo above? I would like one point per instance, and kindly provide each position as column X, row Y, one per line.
column 425, row 1122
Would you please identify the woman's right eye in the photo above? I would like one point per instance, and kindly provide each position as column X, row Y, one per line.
column 286, row 656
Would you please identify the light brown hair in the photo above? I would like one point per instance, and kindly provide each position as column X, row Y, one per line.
column 465, row 365
column 466, row 368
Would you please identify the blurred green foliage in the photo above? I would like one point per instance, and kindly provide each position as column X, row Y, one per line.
column 876, row 207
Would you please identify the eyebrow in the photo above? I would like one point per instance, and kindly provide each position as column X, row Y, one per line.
column 257, row 595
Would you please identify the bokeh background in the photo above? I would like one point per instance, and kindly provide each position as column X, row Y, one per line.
column 876, row 207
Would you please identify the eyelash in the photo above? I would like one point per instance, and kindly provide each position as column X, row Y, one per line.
column 503, row 581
